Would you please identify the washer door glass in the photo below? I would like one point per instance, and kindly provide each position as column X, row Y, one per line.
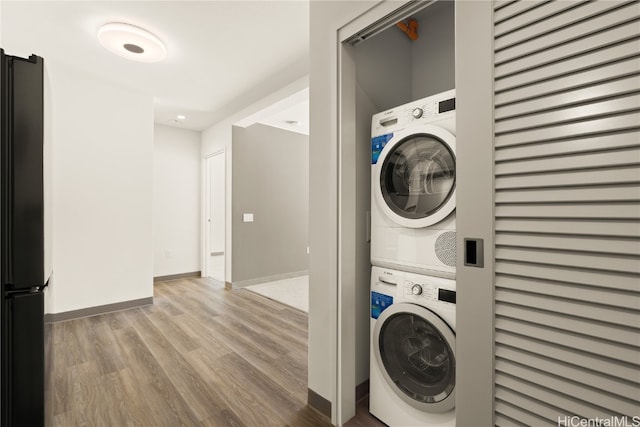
column 418, row 176
column 417, row 358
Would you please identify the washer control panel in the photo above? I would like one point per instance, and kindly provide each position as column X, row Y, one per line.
column 420, row 290
column 427, row 291
column 416, row 289
column 421, row 110
column 430, row 107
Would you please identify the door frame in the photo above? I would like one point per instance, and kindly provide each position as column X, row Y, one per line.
column 378, row 18
column 474, row 81
column 206, row 206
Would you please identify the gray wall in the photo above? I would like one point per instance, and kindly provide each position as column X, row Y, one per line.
column 384, row 68
column 270, row 178
column 474, row 215
column 394, row 70
column 326, row 17
column 433, row 54
column 364, row 110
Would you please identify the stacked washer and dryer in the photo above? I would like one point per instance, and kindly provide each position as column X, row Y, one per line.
column 413, row 257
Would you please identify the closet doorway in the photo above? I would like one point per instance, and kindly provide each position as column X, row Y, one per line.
column 215, row 208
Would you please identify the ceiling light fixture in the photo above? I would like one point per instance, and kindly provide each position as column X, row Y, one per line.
column 131, row 42
column 293, row 122
column 181, row 117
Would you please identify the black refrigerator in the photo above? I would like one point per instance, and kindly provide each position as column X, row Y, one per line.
column 22, row 241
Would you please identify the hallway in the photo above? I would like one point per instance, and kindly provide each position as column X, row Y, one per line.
column 199, row 355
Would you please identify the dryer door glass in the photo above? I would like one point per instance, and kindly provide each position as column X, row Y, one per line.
column 417, row 358
column 418, row 176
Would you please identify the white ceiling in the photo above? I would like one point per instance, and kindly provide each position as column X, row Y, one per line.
column 221, row 55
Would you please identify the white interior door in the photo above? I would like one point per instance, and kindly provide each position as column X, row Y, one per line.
column 216, row 216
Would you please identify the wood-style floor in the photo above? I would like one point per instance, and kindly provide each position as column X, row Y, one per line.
column 199, row 356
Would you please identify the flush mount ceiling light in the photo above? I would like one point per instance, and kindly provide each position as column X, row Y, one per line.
column 177, row 120
column 131, row 42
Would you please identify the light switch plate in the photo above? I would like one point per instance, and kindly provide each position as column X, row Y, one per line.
column 247, row 217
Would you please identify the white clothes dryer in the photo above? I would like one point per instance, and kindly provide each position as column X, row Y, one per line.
column 413, row 351
column 413, row 186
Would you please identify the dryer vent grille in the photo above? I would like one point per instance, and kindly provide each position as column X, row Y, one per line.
column 446, row 248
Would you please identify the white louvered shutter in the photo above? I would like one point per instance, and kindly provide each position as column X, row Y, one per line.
column 567, row 208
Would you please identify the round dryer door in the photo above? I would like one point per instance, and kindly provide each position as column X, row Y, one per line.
column 417, row 176
column 416, row 354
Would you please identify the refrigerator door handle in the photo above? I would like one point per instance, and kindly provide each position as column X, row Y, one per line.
column 6, row 168
column 32, row 290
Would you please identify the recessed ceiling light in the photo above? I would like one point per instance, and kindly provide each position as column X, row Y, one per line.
column 293, row 122
column 131, row 42
column 181, row 117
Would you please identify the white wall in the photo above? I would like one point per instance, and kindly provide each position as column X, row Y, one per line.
column 219, row 137
column 102, row 142
column 176, row 201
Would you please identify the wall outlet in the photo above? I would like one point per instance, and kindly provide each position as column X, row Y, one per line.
column 247, row 217
column 307, row 250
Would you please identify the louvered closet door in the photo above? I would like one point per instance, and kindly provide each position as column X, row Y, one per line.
column 567, row 207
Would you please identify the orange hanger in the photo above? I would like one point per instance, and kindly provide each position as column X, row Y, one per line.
column 410, row 28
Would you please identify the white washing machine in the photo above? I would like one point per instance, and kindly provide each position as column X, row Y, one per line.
column 413, row 186
column 413, row 349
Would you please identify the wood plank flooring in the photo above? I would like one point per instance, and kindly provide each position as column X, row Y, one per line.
column 199, row 356
column 363, row 418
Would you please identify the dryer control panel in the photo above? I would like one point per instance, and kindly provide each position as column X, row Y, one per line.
column 422, row 111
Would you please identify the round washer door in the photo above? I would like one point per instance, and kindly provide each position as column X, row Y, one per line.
column 416, row 176
column 415, row 350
